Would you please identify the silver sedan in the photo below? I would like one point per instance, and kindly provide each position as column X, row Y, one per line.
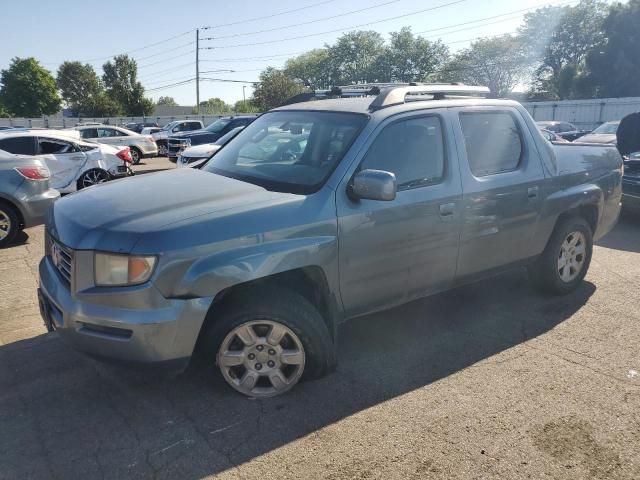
column 142, row 146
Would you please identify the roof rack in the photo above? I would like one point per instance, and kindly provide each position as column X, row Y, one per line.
column 388, row 94
column 396, row 95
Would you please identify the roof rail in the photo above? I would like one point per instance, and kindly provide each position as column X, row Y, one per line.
column 396, row 95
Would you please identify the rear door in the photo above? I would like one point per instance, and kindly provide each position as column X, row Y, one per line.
column 502, row 181
column 64, row 160
column 392, row 251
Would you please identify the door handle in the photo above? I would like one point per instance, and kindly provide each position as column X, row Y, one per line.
column 77, row 157
column 447, row 209
column 532, row 192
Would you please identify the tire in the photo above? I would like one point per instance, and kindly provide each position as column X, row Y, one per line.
column 136, row 155
column 172, row 159
column 162, row 149
column 265, row 311
column 9, row 224
column 562, row 266
column 92, row 177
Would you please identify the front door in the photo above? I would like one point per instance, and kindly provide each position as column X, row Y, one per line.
column 393, row 251
column 502, row 184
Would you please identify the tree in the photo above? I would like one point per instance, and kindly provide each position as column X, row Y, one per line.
column 28, row 90
column 312, row 69
column 245, row 106
column 214, row 106
column 167, row 101
column 83, row 91
column 409, row 58
column 274, row 88
column 353, row 57
column 565, row 36
column 122, row 86
column 615, row 68
column 498, row 62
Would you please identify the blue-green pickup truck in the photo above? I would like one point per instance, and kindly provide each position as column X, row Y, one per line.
column 315, row 213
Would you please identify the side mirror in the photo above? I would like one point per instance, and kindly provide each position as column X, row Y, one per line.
column 374, row 185
column 628, row 134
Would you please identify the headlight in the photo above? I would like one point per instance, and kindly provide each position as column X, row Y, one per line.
column 186, row 143
column 119, row 270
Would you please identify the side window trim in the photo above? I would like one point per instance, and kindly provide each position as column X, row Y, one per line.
column 514, row 117
column 443, row 138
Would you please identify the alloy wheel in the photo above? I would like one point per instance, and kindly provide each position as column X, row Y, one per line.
column 261, row 358
column 5, row 225
column 571, row 256
column 93, row 177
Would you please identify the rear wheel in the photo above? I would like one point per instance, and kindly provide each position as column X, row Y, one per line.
column 92, row 177
column 565, row 260
column 265, row 341
column 9, row 224
column 136, row 155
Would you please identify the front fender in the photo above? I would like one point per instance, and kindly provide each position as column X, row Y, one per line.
column 209, row 275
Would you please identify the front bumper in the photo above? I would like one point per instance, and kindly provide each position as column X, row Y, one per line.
column 134, row 325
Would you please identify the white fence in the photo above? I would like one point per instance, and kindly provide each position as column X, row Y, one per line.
column 586, row 114
column 58, row 121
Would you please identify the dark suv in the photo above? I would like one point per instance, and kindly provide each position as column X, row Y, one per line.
column 177, row 143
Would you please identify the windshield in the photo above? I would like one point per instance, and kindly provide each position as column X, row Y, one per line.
column 169, row 126
column 223, row 140
column 289, row 151
column 607, row 128
column 218, row 125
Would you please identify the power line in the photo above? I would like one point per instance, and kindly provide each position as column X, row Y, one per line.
column 165, row 59
column 255, row 19
column 304, row 23
column 163, row 87
column 166, row 51
column 339, row 29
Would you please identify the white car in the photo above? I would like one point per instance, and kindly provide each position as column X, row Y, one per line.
column 74, row 164
column 193, row 157
column 142, row 146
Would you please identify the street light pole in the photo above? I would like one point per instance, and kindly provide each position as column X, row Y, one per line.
column 197, row 70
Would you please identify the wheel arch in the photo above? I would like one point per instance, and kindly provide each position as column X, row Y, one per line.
column 15, row 206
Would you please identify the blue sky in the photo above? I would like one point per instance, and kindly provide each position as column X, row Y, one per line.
column 93, row 31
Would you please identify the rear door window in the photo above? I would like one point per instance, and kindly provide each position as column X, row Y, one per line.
column 53, row 146
column 493, row 142
column 89, row 133
column 19, row 145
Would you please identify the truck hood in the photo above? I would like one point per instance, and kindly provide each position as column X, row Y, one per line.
column 199, row 135
column 114, row 216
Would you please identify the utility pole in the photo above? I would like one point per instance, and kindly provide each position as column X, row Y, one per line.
column 197, row 70
column 244, row 99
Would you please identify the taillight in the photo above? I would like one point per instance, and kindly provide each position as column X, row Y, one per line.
column 124, row 155
column 34, row 173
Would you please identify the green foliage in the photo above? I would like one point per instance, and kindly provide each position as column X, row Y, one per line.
column 214, row 106
column 28, row 89
column 167, row 101
column 353, row 57
column 565, row 37
column 83, row 91
column 498, row 62
column 245, row 106
column 311, row 69
column 121, row 81
column 615, row 68
column 274, row 88
column 409, row 58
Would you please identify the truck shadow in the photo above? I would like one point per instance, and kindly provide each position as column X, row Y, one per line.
column 66, row 416
column 626, row 235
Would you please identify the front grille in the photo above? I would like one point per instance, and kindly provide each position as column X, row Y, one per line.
column 174, row 146
column 62, row 259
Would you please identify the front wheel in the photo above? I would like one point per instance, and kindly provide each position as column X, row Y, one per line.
column 162, row 149
column 566, row 258
column 265, row 342
column 92, row 177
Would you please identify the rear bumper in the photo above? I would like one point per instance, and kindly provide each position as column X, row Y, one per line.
column 162, row 335
column 34, row 208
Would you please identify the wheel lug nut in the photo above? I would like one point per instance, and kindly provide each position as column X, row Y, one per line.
column 259, row 348
column 258, row 366
column 271, row 363
column 272, row 351
column 251, row 356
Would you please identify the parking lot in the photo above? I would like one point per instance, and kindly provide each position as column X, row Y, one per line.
column 487, row 381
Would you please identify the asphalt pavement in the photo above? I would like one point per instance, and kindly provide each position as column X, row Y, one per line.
column 487, row 381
